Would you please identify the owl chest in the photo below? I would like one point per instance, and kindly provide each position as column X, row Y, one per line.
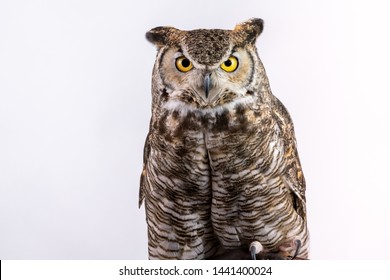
column 229, row 140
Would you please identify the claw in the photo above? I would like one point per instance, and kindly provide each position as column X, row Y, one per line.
column 255, row 247
column 298, row 244
column 253, row 252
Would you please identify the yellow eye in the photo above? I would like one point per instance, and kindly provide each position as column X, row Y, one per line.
column 230, row 65
column 183, row 64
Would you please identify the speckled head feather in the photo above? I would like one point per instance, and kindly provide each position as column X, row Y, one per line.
column 207, row 46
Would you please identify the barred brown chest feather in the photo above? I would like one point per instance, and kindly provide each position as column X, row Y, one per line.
column 227, row 143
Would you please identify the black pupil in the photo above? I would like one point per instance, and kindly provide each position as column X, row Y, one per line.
column 185, row 62
column 228, row 63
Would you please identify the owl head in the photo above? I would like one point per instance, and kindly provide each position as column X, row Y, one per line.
column 206, row 68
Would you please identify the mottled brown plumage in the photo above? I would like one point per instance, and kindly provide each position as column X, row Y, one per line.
column 221, row 168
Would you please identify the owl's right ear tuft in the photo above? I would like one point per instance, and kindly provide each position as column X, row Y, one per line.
column 249, row 30
column 162, row 36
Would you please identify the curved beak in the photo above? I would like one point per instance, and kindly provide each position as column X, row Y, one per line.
column 207, row 84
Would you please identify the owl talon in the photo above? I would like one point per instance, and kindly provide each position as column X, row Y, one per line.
column 298, row 245
column 253, row 253
column 255, row 248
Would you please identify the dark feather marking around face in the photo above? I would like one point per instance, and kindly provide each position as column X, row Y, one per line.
column 160, row 59
column 164, row 95
column 252, row 71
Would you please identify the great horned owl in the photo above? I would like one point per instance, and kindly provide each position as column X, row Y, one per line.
column 221, row 169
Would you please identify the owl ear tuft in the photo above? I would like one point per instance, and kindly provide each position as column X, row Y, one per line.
column 162, row 36
column 248, row 31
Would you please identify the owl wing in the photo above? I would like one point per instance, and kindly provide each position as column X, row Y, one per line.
column 143, row 174
column 293, row 175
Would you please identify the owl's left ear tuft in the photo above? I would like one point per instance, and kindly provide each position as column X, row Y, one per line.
column 162, row 35
column 248, row 31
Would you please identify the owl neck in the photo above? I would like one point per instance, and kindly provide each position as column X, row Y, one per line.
column 183, row 109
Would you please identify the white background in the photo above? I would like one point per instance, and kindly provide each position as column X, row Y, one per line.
column 75, row 108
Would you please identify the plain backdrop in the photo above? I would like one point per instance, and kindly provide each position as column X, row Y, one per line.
column 75, row 107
